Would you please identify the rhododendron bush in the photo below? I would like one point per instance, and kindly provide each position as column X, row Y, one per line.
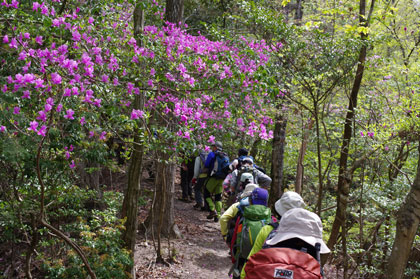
column 81, row 79
column 70, row 74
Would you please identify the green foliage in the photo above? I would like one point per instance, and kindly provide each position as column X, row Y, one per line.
column 97, row 233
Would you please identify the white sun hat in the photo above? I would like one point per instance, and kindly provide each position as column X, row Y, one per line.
column 300, row 223
column 248, row 190
column 288, row 201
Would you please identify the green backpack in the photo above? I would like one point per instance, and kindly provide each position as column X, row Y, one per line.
column 254, row 218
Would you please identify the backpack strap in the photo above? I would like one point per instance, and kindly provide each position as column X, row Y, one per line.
column 275, row 225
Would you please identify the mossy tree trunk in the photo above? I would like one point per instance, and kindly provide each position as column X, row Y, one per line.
column 408, row 219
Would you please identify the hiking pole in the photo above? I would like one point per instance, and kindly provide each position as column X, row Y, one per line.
column 318, row 256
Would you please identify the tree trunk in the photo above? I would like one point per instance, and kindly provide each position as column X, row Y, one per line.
column 319, row 159
column 279, row 142
column 299, row 11
column 343, row 184
column 302, row 151
column 408, row 219
column 174, row 11
column 254, row 149
column 131, row 194
column 161, row 216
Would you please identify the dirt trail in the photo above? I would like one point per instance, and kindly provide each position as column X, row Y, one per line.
column 201, row 252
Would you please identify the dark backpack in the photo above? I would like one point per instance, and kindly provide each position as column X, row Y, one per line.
column 221, row 165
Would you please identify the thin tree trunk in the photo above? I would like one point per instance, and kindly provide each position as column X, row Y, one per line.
column 318, row 149
column 131, row 194
column 299, row 11
column 165, row 192
column 408, row 220
column 302, row 151
column 343, row 178
column 279, row 142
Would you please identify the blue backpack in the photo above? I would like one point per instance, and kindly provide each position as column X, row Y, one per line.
column 221, row 165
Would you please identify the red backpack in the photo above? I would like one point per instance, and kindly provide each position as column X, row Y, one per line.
column 283, row 263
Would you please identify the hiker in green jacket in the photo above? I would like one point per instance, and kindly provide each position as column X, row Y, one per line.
column 233, row 210
column 287, row 201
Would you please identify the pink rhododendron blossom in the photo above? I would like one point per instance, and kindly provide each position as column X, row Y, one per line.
column 136, row 114
column 13, row 43
column 42, row 116
column 90, row 20
column 102, row 136
column 5, row 39
column 152, row 72
column 75, row 91
column 211, row 139
column 82, row 121
column 91, row 134
column 44, row 10
column 56, row 78
column 97, row 102
column 240, row 122
column 67, row 155
column 38, row 40
column 362, row 134
column 59, row 107
column 170, row 77
column 26, row 94
column 32, row 126
column 150, row 83
column 16, row 110
column 67, row 92
column 207, row 148
column 105, row 78
column 2, row 129
column 42, row 131
column 69, row 114
column 72, row 165
column 48, row 107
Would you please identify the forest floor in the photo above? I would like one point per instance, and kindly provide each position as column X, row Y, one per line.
column 201, row 253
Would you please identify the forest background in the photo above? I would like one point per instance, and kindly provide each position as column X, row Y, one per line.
column 325, row 94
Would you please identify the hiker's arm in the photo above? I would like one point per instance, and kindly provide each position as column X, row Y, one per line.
column 197, row 167
column 258, row 244
column 224, row 219
column 263, row 179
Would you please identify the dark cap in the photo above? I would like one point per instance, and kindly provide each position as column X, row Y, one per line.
column 242, row 152
column 259, row 196
column 218, row 144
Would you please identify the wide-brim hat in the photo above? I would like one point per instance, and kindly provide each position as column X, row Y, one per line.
column 288, row 201
column 303, row 224
column 248, row 190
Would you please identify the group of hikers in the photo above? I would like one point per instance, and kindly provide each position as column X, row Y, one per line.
column 285, row 242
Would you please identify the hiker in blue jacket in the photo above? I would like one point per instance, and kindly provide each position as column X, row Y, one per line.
column 214, row 185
